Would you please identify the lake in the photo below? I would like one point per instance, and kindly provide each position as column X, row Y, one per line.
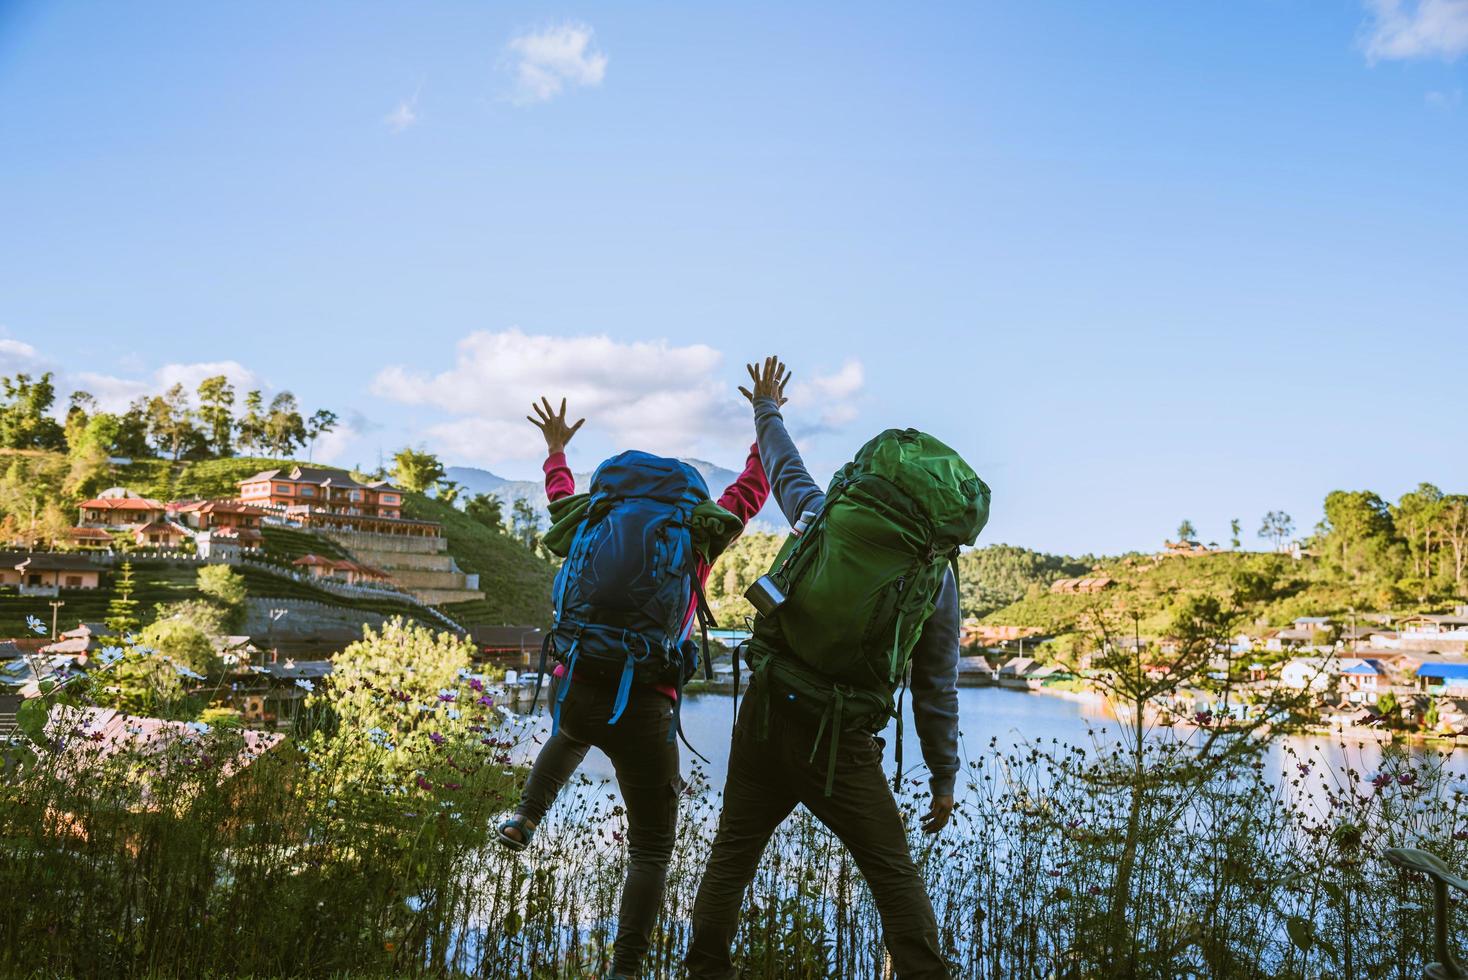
column 986, row 714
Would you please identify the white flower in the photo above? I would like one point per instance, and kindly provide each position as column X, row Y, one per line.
column 35, row 625
column 304, row 684
column 453, row 714
column 198, row 726
column 463, row 672
column 186, row 672
column 110, row 655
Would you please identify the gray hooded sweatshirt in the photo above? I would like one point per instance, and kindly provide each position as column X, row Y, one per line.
column 934, row 658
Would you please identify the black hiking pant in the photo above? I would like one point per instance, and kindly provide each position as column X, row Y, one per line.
column 647, row 773
column 767, row 778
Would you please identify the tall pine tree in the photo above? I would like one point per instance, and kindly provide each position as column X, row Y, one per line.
column 122, row 609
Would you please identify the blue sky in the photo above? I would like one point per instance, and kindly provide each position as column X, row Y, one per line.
column 1137, row 261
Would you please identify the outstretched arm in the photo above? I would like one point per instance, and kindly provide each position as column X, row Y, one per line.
column 559, row 482
column 745, row 496
column 935, row 701
column 791, row 482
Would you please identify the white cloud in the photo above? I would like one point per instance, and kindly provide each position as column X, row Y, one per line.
column 403, row 115
column 831, row 397
column 1410, row 29
column 656, row 396
column 1444, row 100
column 545, row 62
column 19, row 357
column 114, row 393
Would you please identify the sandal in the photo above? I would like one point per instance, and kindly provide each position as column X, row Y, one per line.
column 519, row 822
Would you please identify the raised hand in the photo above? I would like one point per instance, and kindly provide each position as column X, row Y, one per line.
column 553, row 425
column 769, row 381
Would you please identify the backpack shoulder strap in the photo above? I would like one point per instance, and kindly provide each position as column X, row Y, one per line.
column 706, row 622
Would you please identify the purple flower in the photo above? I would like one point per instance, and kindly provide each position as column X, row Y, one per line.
column 475, row 684
column 446, row 695
column 423, row 783
column 1381, row 780
column 486, row 701
column 435, row 738
column 1407, row 779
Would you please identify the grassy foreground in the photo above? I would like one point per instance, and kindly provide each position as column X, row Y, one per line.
column 359, row 848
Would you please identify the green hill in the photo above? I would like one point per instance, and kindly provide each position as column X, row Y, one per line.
column 1270, row 589
column 166, row 480
column 516, row 583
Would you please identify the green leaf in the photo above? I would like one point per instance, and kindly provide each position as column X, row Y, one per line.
column 31, row 718
column 1302, row 932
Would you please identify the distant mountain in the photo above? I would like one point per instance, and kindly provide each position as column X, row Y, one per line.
column 475, row 480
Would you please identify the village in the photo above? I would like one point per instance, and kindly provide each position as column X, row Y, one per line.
column 348, row 540
column 1372, row 676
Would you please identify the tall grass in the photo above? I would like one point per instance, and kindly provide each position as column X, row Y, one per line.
column 360, row 847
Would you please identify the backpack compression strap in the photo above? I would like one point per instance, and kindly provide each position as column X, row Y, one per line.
column 540, row 671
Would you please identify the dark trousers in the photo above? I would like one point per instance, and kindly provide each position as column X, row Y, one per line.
column 767, row 778
column 647, row 773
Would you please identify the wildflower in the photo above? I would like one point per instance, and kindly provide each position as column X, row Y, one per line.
column 1407, row 779
column 143, row 651
column 453, row 714
column 109, row 655
column 436, row 738
column 475, row 684
column 422, row 782
column 1304, row 769
column 1203, row 717
column 446, row 695
column 486, row 701
column 35, row 625
column 463, row 672
column 1460, row 835
column 304, row 684
column 198, row 727
column 186, row 672
column 1380, row 780
column 452, row 786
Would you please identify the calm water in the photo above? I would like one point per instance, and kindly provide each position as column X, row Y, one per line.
column 1013, row 718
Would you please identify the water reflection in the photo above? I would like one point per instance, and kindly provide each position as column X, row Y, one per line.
column 999, row 719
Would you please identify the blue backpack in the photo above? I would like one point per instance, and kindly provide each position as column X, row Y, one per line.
column 623, row 591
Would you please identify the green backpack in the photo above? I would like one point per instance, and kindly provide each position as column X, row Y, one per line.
column 862, row 580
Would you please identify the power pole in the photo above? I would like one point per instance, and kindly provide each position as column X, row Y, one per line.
column 55, row 608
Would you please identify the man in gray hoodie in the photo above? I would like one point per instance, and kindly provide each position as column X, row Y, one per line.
column 769, row 777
